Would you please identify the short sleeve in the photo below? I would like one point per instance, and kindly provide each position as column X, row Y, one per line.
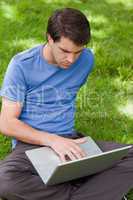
column 89, row 66
column 14, row 84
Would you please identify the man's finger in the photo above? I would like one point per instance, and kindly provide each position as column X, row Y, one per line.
column 71, row 155
column 62, row 157
column 78, row 152
column 81, row 140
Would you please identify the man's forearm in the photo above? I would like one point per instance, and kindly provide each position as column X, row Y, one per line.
column 24, row 132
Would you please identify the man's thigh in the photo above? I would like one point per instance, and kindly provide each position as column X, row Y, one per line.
column 19, row 180
column 110, row 184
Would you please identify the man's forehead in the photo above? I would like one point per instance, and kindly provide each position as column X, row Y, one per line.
column 71, row 51
column 67, row 45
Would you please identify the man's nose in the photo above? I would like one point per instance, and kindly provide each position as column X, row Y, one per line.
column 71, row 58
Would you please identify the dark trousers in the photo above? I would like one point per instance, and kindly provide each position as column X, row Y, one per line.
column 20, row 181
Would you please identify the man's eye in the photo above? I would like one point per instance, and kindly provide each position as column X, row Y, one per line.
column 78, row 53
column 64, row 51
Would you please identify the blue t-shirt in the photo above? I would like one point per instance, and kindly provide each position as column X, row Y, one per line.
column 47, row 92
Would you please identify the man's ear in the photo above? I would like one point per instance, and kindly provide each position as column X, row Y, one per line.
column 50, row 40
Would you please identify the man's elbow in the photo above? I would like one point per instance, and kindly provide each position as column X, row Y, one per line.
column 4, row 126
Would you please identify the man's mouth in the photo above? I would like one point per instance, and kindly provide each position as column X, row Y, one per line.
column 66, row 64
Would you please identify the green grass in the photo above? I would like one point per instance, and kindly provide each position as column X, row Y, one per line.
column 105, row 103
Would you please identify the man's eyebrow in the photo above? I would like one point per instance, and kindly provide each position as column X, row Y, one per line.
column 70, row 51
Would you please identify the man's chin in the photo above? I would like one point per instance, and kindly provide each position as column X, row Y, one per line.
column 65, row 66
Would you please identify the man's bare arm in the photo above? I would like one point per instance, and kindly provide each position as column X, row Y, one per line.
column 11, row 126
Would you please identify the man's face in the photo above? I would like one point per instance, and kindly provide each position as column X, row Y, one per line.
column 64, row 52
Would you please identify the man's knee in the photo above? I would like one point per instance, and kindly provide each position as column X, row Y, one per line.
column 3, row 186
column 5, row 182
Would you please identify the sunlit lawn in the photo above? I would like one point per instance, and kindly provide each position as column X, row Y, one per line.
column 105, row 103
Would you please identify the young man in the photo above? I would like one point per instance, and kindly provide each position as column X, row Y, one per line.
column 38, row 106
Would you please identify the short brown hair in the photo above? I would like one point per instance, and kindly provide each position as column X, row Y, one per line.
column 70, row 23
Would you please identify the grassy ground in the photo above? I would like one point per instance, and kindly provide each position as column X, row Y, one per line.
column 105, row 103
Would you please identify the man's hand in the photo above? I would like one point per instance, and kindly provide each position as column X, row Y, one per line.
column 66, row 147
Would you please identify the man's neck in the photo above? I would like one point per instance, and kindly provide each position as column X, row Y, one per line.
column 47, row 54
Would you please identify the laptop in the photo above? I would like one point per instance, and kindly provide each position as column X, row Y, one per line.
column 53, row 171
